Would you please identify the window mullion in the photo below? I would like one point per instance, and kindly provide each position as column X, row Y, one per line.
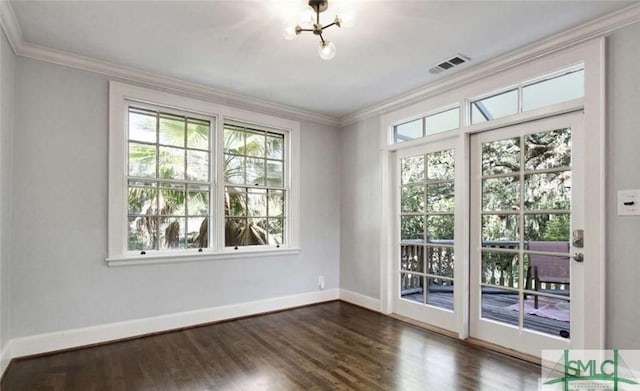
column 267, row 191
column 156, row 245
column 424, row 126
column 520, row 108
column 217, row 207
column 267, row 217
column 186, row 186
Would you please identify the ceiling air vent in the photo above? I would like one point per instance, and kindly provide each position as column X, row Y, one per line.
column 448, row 64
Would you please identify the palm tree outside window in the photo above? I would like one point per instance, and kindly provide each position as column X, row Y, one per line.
column 255, row 193
column 169, row 180
column 170, row 183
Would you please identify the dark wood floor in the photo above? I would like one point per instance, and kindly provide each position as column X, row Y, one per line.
column 331, row 346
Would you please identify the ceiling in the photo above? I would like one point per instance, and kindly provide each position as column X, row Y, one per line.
column 238, row 46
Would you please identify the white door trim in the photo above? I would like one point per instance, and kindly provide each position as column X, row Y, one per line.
column 592, row 55
column 595, row 183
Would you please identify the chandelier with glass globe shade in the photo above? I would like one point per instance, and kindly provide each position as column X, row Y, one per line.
column 310, row 22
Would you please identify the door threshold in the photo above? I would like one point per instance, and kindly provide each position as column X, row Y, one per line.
column 427, row 326
column 470, row 340
column 501, row 349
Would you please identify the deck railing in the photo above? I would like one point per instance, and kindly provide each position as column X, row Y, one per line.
column 438, row 261
column 498, row 268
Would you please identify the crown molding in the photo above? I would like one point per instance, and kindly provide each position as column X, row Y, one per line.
column 21, row 48
column 10, row 25
column 596, row 28
column 123, row 73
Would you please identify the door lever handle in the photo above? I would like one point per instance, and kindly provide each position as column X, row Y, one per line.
column 578, row 257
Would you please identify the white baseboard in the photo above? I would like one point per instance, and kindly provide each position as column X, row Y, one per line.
column 367, row 302
column 5, row 357
column 49, row 342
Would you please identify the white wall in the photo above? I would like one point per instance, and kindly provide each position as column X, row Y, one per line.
column 623, row 172
column 361, row 203
column 60, row 220
column 7, row 79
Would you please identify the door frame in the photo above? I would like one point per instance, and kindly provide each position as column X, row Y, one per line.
column 592, row 55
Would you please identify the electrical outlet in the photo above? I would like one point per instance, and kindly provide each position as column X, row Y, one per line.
column 321, row 282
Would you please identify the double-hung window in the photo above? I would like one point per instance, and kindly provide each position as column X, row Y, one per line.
column 255, row 193
column 189, row 179
column 169, row 181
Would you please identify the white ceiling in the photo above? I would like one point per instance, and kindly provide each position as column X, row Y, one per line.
column 238, row 45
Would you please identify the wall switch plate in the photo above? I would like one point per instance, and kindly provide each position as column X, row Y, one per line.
column 628, row 202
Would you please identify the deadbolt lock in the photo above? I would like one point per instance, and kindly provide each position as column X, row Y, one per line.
column 578, row 238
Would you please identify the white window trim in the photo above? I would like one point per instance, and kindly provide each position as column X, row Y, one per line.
column 118, row 255
column 397, row 122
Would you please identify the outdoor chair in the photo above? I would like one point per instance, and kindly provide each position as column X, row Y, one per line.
column 546, row 268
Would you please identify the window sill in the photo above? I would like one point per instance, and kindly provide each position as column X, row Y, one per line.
column 131, row 260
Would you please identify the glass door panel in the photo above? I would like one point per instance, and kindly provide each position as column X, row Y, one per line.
column 520, row 244
column 426, row 196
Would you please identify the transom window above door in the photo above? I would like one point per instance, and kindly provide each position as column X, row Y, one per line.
column 544, row 91
column 440, row 121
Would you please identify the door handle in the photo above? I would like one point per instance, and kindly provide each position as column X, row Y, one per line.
column 578, row 257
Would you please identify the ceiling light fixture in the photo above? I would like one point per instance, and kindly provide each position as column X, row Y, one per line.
column 311, row 16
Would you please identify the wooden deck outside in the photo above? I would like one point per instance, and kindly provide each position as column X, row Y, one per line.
column 495, row 307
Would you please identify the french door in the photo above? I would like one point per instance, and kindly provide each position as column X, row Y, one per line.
column 527, row 197
column 423, row 286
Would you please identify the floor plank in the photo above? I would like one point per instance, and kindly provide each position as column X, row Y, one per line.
column 330, row 346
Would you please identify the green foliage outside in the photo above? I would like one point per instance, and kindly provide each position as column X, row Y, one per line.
column 252, row 158
column 427, row 187
column 254, row 216
column 151, row 201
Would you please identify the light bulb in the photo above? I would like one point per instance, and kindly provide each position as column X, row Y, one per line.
column 348, row 18
column 327, row 50
column 308, row 16
column 346, row 11
column 289, row 33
